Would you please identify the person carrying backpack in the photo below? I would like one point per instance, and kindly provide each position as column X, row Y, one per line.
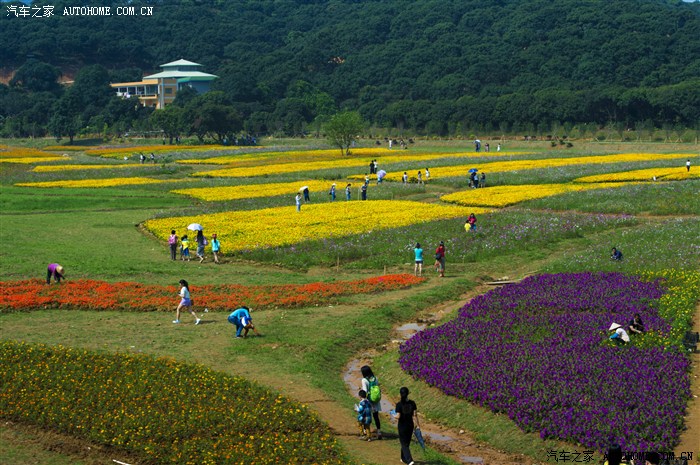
column 370, row 385
column 364, row 416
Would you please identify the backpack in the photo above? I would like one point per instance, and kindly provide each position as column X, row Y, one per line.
column 374, row 394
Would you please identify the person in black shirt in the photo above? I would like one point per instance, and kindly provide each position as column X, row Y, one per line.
column 636, row 325
column 406, row 411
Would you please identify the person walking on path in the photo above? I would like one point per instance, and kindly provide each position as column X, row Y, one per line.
column 215, row 248
column 370, row 385
column 201, row 242
column 364, row 416
column 687, row 165
column 297, row 199
column 172, row 242
column 406, row 411
column 363, row 191
column 427, row 175
column 418, row 251
column 440, row 259
column 306, row 195
column 185, row 302
column 420, row 177
column 185, row 248
column 332, row 192
column 54, row 271
column 240, row 318
column 347, row 192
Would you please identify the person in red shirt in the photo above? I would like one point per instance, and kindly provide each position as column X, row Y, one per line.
column 440, row 259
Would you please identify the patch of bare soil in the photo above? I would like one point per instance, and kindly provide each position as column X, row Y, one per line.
column 690, row 440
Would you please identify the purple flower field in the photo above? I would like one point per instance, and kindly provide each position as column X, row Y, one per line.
column 539, row 352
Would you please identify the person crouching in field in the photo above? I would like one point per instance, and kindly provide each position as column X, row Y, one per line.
column 243, row 321
column 54, row 271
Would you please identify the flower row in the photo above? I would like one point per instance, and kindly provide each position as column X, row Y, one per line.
column 502, row 196
column 111, row 152
column 273, row 227
column 287, row 156
column 160, row 410
column 306, row 166
column 519, row 165
column 538, row 351
column 23, row 152
column 110, row 182
column 214, row 194
column 126, row 296
column 54, row 168
column 661, row 174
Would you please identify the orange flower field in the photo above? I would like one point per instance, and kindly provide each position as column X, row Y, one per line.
column 127, row 296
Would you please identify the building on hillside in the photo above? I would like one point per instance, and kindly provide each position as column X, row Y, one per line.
column 159, row 89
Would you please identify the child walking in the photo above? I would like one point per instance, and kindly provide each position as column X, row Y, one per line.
column 185, row 247
column 185, row 302
column 364, row 416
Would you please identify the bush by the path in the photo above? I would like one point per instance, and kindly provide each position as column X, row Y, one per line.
column 539, row 352
column 158, row 409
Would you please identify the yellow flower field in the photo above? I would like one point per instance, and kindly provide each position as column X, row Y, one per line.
column 676, row 173
column 54, row 168
column 118, row 152
column 23, row 152
column 212, row 194
column 360, row 163
column 502, row 196
column 30, row 160
column 26, row 155
column 280, row 226
column 289, row 156
column 112, row 182
column 519, row 165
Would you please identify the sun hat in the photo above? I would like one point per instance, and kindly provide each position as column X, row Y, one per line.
column 59, row 269
column 614, row 326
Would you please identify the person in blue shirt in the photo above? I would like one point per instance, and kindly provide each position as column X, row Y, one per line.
column 418, row 251
column 616, row 254
column 241, row 319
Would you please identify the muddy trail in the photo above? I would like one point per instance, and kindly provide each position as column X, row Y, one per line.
column 459, row 445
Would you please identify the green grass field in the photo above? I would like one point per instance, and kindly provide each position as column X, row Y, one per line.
column 96, row 233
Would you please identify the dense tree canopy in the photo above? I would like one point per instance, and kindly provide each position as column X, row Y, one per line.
column 431, row 66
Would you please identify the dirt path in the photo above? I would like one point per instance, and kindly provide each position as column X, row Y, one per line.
column 690, row 440
column 459, row 445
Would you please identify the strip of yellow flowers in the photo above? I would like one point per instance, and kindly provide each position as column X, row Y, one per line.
column 54, row 168
column 662, row 174
column 502, row 196
column 289, row 156
column 520, row 165
column 274, row 227
column 213, row 194
column 118, row 152
column 23, row 152
column 29, row 160
column 112, row 182
column 282, row 168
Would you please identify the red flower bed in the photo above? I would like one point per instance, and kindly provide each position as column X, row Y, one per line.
column 126, row 296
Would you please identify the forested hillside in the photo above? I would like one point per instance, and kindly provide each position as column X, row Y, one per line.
column 436, row 66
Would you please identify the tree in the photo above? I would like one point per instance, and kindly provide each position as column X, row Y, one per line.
column 35, row 76
column 343, row 128
column 170, row 120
